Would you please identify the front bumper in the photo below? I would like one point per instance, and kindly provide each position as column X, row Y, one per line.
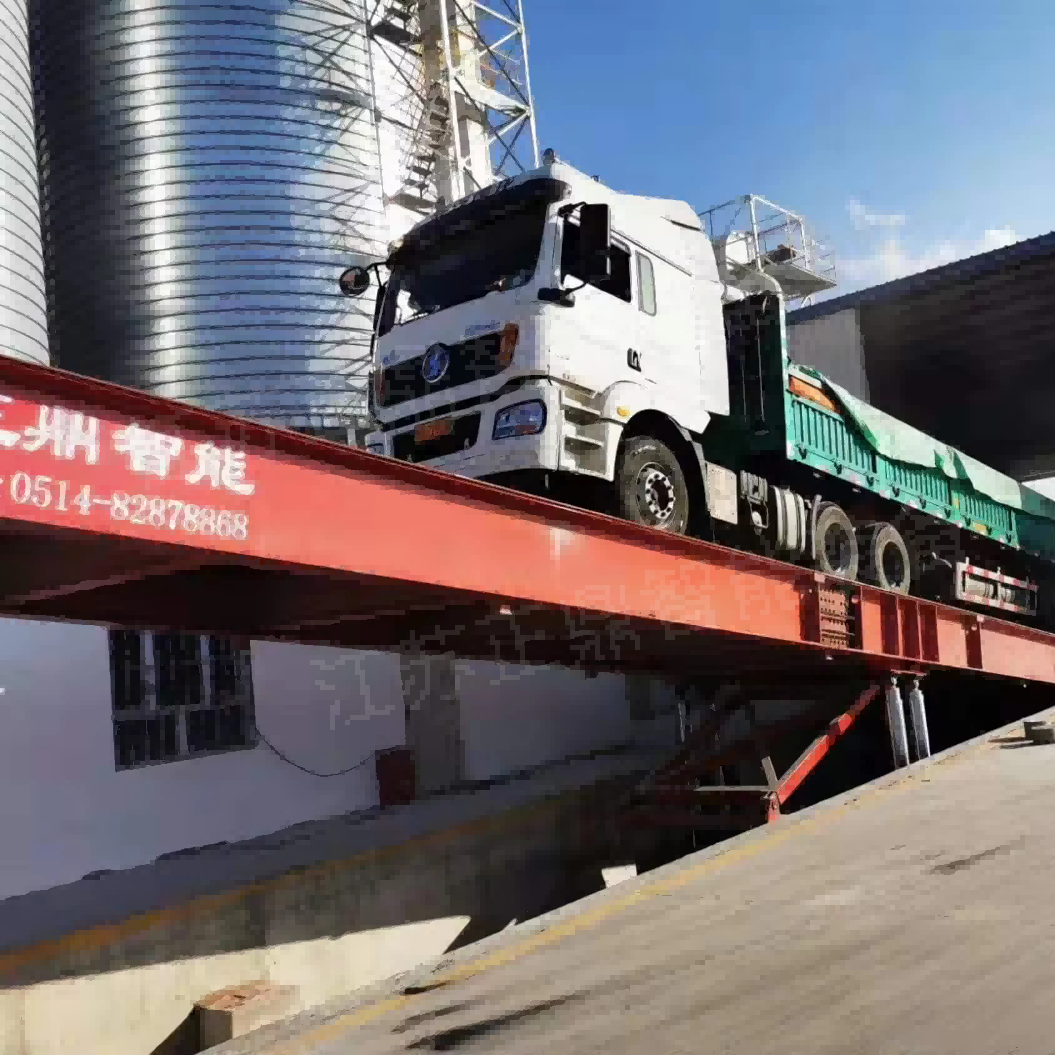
column 470, row 450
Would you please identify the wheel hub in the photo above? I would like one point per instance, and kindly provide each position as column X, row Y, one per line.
column 655, row 493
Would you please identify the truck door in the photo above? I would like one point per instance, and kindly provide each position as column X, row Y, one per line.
column 597, row 341
column 666, row 344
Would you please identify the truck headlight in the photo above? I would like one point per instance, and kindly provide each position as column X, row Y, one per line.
column 523, row 419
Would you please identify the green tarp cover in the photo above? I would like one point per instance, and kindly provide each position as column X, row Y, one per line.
column 899, row 442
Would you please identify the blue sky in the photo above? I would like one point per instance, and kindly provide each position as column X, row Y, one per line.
column 909, row 134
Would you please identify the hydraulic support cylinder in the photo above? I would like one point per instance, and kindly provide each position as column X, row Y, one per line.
column 895, row 717
column 918, row 710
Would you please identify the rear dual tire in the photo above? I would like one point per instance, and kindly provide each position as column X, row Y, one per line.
column 885, row 559
column 874, row 553
column 837, row 549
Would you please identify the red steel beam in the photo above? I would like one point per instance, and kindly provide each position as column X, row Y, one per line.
column 811, row 757
column 133, row 467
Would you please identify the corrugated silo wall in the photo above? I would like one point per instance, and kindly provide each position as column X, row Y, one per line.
column 23, row 318
column 207, row 171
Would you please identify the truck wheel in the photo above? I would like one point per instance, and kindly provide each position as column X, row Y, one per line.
column 650, row 486
column 837, row 552
column 885, row 560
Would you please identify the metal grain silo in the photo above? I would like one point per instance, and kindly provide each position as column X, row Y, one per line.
column 207, row 171
column 23, row 318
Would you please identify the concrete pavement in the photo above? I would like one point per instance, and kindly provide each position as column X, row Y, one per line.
column 913, row 915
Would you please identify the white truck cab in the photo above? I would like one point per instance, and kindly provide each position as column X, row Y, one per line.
column 549, row 330
column 524, row 329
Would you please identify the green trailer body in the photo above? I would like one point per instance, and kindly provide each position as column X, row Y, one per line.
column 782, row 409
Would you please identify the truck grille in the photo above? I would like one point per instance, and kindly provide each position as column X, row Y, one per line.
column 472, row 360
column 460, row 438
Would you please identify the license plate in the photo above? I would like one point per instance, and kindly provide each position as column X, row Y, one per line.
column 433, row 430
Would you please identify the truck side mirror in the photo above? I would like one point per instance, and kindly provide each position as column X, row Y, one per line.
column 595, row 240
column 354, row 281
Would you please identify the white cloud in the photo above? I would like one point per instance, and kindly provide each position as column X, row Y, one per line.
column 997, row 239
column 863, row 218
column 891, row 259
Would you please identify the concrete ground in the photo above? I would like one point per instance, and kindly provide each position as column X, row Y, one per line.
column 913, row 915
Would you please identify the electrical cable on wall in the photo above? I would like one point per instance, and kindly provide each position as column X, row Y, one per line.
column 304, row 769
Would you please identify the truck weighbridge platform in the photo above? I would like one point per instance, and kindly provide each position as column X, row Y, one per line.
column 910, row 915
column 118, row 507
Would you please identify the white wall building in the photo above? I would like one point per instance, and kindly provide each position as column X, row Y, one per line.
column 69, row 808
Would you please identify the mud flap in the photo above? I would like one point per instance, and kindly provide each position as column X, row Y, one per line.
column 719, row 484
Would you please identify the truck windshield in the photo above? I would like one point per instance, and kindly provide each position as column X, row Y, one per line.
column 494, row 253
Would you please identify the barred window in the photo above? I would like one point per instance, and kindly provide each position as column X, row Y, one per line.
column 178, row 696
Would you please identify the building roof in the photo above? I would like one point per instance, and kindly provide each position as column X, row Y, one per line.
column 967, row 269
column 964, row 352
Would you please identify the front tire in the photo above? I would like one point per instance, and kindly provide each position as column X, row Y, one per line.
column 650, row 486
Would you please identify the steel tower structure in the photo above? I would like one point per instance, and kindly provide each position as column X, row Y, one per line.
column 454, row 78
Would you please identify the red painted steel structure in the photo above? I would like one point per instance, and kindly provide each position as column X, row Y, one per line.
column 690, row 790
column 119, row 507
column 811, row 757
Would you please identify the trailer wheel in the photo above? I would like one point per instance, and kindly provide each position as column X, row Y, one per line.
column 650, row 484
column 837, row 552
column 885, row 560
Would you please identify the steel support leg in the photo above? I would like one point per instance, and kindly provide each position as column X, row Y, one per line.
column 895, row 716
column 918, row 710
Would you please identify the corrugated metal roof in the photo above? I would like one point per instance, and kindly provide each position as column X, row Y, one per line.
column 969, row 268
column 963, row 352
